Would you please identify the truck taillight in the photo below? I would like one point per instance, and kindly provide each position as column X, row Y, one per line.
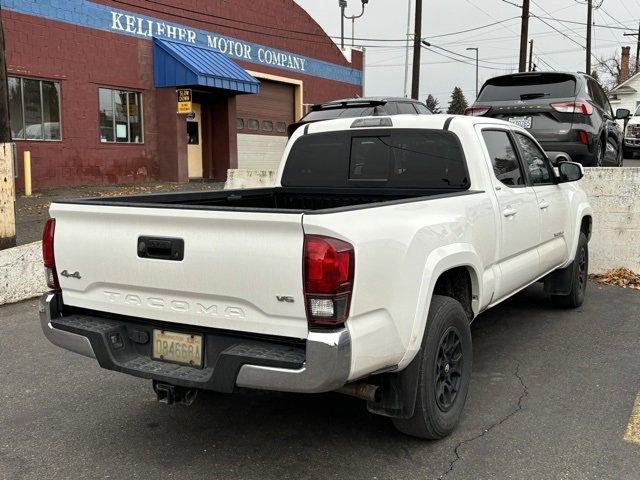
column 583, row 108
column 328, row 268
column 476, row 110
column 48, row 256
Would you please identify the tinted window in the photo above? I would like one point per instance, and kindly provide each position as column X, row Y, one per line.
column 521, row 87
column 535, row 161
column 405, row 107
column 503, row 157
column 393, row 158
column 339, row 113
column 422, row 110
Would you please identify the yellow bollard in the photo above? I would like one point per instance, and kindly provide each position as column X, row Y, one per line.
column 27, row 174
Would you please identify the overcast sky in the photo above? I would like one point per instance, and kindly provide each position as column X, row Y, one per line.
column 499, row 44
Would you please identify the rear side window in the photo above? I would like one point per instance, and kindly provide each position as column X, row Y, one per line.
column 503, row 157
column 523, row 87
column 405, row 107
column 419, row 159
column 422, row 110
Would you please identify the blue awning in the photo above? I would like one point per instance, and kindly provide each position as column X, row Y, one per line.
column 182, row 65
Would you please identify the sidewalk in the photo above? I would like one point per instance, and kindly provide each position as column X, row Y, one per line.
column 31, row 212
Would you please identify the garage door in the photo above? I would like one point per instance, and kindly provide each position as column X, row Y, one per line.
column 262, row 125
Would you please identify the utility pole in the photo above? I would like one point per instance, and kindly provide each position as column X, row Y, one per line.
column 417, row 50
column 7, row 179
column 637, row 47
column 531, row 55
column 589, row 22
column 406, row 56
column 524, row 36
column 477, row 50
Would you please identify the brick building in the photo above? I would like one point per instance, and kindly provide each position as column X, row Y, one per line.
column 93, row 85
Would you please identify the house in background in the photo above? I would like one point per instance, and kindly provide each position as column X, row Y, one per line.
column 627, row 93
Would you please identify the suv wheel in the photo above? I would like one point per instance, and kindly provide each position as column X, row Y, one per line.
column 598, row 153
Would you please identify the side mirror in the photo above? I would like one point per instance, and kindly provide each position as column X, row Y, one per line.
column 570, row 172
column 622, row 114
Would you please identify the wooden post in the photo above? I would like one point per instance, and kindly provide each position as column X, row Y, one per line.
column 7, row 198
column 7, row 179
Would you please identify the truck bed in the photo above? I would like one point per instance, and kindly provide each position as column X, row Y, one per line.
column 274, row 200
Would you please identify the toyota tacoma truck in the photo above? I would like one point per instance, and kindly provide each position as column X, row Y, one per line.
column 359, row 272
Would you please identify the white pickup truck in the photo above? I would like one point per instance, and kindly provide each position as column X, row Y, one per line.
column 359, row 272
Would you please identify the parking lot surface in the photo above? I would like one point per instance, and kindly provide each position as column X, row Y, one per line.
column 551, row 397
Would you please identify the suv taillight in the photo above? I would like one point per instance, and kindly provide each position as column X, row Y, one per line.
column 583, row 108
column 476, row 110
column 328, row 268
column 48, row 256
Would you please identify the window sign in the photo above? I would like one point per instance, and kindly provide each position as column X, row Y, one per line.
column 120, row 116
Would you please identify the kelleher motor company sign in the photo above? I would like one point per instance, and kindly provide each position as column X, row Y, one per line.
column 147, row 27
column 86, row 13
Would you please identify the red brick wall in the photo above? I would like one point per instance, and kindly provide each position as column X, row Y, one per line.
column 84, row 59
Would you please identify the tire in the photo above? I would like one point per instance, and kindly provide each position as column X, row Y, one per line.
column 579, row 276
column 446, row 362
column 614, row 152
column 598, row 154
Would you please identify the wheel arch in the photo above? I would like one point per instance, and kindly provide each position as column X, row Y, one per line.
column 443, row 267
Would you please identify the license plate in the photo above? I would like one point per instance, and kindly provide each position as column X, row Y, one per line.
column 182, row 348
column 524, row 122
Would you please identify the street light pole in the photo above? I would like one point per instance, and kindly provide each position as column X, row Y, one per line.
column 477, row 50
column 417, row 46
column 343, row 6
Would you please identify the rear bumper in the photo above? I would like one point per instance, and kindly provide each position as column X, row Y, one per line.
column 321, row 364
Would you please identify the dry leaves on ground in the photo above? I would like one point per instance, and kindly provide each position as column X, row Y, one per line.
column 620, row 277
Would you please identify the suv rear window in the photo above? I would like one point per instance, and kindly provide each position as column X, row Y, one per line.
column 519, row 87
column 332, row 113
column 417, row 159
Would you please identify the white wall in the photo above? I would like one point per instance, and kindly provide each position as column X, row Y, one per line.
column 614, row 194
column 260, row 152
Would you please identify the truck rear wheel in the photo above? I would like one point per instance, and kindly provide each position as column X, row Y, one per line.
column 445, row 372
column 579, row 277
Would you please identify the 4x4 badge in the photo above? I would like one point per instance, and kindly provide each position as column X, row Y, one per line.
column 66, row 274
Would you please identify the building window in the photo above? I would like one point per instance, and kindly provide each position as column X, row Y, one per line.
column 34, row 107
column 239, row 123
column 253, row 124
column 120, row 116
column 267, row 125
column 281, row 127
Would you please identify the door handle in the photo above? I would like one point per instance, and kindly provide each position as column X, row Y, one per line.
column 544, row 205
column 509, row 212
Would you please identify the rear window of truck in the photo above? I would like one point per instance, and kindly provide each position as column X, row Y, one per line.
column 528, row 86
column 417, row 159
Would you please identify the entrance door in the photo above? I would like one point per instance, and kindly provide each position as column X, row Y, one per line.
column 194, row 142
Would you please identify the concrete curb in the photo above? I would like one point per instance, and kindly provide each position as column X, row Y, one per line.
column 21, row 273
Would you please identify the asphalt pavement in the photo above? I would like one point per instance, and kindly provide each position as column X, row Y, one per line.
column 551, row 398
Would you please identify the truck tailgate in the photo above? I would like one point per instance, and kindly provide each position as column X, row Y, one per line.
column 235, row 266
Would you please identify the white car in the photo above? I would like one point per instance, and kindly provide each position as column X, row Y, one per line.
column 632, row 136
column 359, row 272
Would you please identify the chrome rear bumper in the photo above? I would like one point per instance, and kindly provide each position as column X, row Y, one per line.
column 326, row 365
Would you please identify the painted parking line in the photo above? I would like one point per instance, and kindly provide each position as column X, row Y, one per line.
column 632, row 434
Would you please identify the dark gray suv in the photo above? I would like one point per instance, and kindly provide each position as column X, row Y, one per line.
column 566, row 112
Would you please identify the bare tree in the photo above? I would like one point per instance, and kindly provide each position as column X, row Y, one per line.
column 608, row 70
